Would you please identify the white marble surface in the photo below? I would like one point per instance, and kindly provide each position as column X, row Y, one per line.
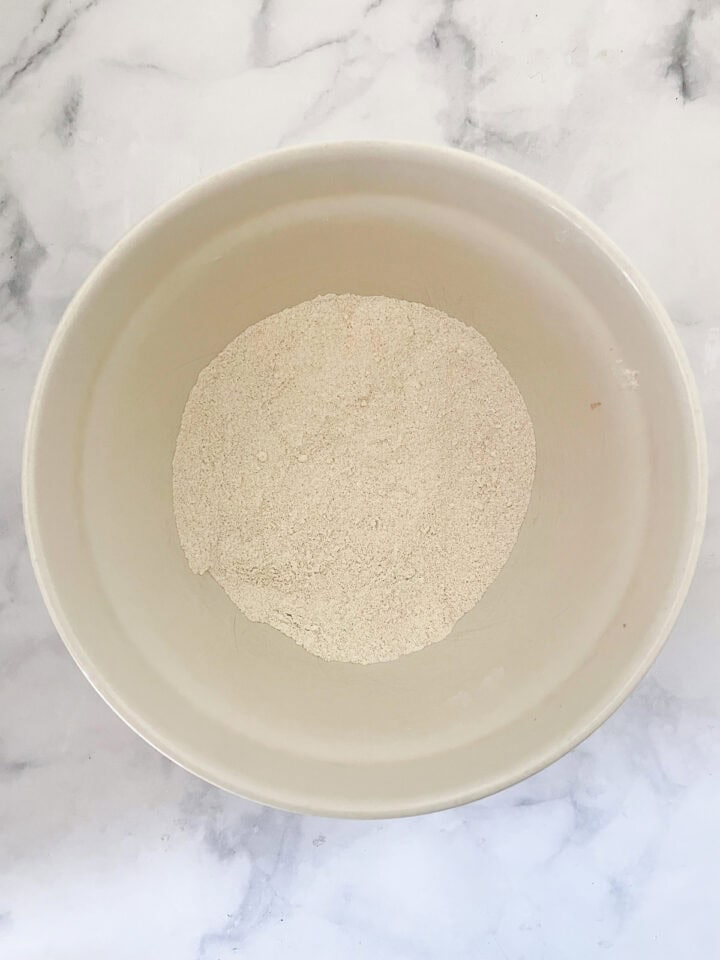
column 107, row 108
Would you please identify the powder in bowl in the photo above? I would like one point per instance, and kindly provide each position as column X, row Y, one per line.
column 354, row 471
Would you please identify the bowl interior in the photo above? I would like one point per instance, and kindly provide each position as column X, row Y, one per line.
column 602, row 559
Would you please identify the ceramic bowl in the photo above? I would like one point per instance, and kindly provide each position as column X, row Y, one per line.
column 591, row 589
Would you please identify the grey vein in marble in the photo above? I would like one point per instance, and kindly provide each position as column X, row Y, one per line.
column 452, row 46
column 20, row 64
column 680, row 65
column 66, row 125
column 22, row 253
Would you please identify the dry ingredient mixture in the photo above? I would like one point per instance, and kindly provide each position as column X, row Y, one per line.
column 354, row 471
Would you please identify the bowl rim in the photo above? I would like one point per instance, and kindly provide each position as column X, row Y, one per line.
column 477, row 786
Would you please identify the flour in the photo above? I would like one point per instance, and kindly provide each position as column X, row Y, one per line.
column 355, row 472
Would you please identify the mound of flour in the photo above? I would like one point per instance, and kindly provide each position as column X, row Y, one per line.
column 354, row 471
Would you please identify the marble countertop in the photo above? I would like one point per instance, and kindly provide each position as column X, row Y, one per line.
column 108, row 108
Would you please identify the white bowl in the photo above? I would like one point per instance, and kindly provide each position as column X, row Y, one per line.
column 604, row 557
